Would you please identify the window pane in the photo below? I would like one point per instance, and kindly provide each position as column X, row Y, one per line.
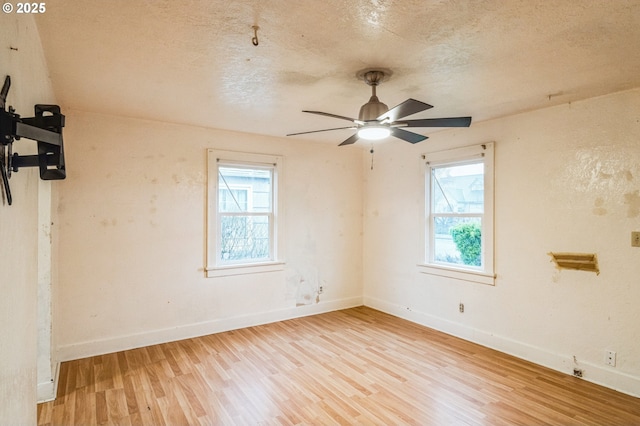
column 457, row 240
column 458, row 189
column 233, row 200
column 244, row 238
column 243, row 189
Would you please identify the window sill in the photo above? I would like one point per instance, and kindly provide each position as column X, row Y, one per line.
column 242, row 269
column 458, row 274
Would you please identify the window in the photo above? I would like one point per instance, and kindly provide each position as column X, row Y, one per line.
column 243, row 213
column 458, row 218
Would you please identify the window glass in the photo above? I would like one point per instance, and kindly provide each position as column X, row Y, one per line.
column 458, row 240
column 458, row 188
column 244, row 238
column 457, row 206
column 233, row 200
column 243, row 189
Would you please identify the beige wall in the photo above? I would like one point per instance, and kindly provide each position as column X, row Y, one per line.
column 132, row 235
column 567, row 179
column 21, row 58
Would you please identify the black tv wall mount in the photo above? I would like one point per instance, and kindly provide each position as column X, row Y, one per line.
column 45, row 128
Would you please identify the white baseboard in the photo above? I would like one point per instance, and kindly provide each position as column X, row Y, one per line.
column 604, row 376
column 153, row 337
column 600, row 375
column 47, row 391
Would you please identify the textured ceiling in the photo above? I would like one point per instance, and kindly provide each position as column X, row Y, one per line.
column 193, row 61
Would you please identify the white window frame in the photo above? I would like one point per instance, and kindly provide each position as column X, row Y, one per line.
column 486, row 273
column 215, row 267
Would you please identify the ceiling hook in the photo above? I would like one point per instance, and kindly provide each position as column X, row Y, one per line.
column 254, row 40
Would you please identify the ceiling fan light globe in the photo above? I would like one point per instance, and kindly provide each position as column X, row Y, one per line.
column 374, row 133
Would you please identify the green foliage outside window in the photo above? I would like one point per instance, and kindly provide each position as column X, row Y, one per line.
column 468, row 240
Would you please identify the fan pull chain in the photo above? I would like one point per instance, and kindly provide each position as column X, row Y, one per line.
column 371, row 151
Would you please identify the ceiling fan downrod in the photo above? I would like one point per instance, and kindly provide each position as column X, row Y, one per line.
column 374, row 108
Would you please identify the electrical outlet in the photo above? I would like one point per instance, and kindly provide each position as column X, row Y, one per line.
column 461, row 308
column 635, row 239
column 610, row 358
column 577, row 372
column 320, row 289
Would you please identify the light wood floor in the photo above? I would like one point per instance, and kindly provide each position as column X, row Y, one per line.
column 356, row 366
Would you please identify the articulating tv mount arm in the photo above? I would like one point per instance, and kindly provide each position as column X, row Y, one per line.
column 45, row 128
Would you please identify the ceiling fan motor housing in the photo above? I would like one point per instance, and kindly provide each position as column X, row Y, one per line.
column 374, row 108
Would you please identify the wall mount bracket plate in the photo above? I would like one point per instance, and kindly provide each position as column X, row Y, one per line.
column 45, row 128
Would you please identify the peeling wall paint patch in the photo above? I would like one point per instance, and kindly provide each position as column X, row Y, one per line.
column 303, row 285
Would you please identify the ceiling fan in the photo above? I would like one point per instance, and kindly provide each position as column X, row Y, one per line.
column 377, row 121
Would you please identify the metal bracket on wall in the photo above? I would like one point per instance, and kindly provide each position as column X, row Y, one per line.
column 45, row 128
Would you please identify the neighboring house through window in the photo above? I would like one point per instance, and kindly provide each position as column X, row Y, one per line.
column 244, row 211
column 458, row 222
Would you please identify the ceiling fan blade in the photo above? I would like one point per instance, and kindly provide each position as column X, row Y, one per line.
column 323, row 130
column 341, row 117
column 407, row 136
column 408, row 107
column 351, row 140
column 437, row 122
